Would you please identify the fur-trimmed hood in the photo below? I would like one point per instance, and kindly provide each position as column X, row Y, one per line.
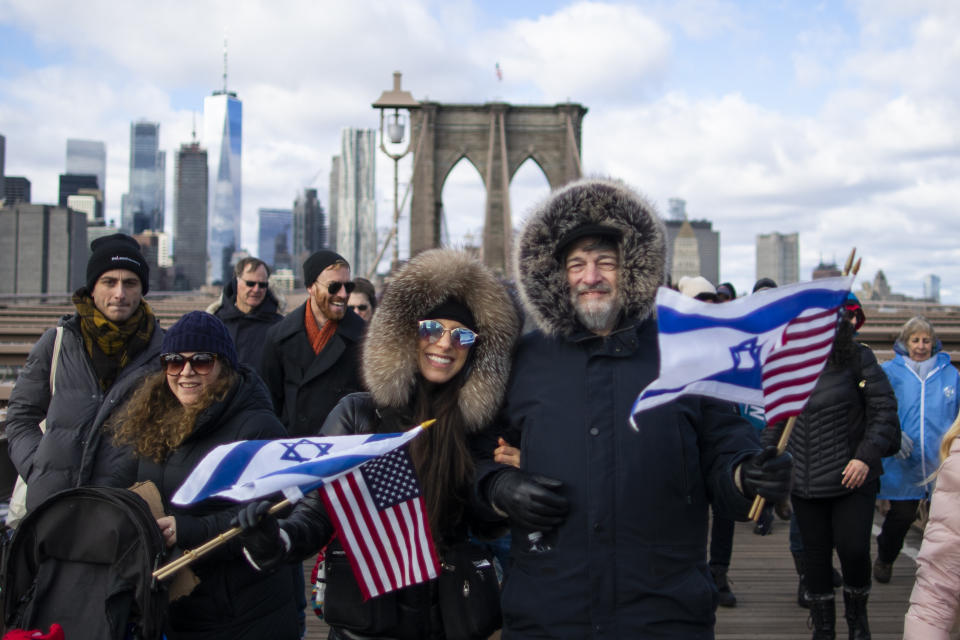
column 541, row 278
column 389, row 358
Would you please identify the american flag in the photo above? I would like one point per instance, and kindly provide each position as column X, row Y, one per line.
column 766, row 349
column 381, row 521
column 791, row 370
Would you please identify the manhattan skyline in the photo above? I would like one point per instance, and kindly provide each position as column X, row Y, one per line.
column 833, row 120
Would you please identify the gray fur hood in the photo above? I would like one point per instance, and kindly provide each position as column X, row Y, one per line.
column 389, row 360
column 541, row 278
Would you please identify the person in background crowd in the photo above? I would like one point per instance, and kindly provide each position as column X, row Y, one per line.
column 439, row 347
column 935, row 600
column 363, row 300
column 310, row 358
column 698, row 288
column 106, row 348
column 848, row 425
column 205, row 397
column 926, row 386
column 726, row 292
column 248, row 308
column 722, row 528
column 610, row 523
column 764, row 283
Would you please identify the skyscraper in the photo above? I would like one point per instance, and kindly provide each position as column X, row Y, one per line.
column 276, row 238
column 16, row 189
column 222, row 129
column 3, row 150
column 704, row 240
column 89, row 157
column 190, row 217
column 332, row 213
column 143, row 204
column 356, row 201
column 72, row 184
column 43, row 249
column 309, row 228
column 931, row 287
column 778, row 257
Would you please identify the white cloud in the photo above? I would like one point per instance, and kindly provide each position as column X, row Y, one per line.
column 872, row 165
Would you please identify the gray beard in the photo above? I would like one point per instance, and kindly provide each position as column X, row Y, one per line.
column 597, row 316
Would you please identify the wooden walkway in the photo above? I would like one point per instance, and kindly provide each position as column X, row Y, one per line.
column 765, row 583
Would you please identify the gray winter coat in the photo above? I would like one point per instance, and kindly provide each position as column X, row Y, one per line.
column 74, row 451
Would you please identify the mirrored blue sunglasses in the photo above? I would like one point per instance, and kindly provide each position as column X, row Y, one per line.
column 432, row 331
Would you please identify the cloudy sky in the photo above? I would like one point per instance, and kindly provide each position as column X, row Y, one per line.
column 837, row 120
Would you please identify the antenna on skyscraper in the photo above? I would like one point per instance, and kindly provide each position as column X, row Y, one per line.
column 224, row 61
column 194, row 132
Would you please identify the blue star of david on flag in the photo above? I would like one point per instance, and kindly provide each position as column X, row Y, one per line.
column 252, row 469
column 310, row 450
column 766, row 349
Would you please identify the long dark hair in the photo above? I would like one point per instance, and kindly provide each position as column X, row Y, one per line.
column 441, row 454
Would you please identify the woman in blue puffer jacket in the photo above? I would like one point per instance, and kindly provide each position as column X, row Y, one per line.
column 925, row 384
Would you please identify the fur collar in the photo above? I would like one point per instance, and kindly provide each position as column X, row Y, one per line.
column 541, row 279
column 389, row 362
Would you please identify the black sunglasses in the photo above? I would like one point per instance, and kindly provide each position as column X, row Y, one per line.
column 201, row 363
column 255, row 283
column 358, row 307
column 333, row 287
column 432, row 331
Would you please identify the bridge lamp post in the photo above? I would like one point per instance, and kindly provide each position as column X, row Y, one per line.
column 395, row 99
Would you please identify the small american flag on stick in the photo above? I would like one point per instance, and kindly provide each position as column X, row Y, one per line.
column 381, row 521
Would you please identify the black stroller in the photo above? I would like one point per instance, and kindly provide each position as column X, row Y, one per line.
column 84, row 559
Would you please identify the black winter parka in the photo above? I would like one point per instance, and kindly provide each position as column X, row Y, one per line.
column 232, row 600
column 74, row 451
column 248, row 330
column 852, row 413
column 629, row 561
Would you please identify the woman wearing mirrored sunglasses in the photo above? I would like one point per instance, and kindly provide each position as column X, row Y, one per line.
column 439, row 346
column 201, row 398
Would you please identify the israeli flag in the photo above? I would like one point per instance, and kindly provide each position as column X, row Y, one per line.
column 249, row 469
column 765, row 349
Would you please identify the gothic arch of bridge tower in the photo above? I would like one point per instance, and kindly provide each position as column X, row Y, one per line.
column 496, row 138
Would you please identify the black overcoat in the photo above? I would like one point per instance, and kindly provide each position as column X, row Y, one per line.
column 305, row 386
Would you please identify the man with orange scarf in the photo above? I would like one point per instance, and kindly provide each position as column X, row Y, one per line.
column 310, row 359
column 97, row 355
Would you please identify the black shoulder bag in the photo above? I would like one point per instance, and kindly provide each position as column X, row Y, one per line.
column 469, row 593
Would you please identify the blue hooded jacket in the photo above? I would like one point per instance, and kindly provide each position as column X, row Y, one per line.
column 926, row 408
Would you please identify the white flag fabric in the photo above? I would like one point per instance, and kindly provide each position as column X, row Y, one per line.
column 249, row 469
column 765, row 349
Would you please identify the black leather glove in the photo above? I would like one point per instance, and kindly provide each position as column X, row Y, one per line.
column 767, row 474
column 261, row 534
column 531, row 502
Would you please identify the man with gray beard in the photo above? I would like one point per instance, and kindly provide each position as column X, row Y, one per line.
column 609, row 524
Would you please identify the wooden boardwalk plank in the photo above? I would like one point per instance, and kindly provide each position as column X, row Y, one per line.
column 765, row 583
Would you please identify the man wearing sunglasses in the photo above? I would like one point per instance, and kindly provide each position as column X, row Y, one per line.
column 96, row 356
column 310, row 358
column 248, row 308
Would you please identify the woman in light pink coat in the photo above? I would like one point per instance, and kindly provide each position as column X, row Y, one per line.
column 935, row 600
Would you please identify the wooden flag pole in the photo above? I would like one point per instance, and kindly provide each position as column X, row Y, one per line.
column 191, row 555
column 758, row 502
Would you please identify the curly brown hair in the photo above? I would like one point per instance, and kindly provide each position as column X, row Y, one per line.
column 154, row 423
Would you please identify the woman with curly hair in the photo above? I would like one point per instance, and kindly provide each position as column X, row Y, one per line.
column 202, row 398
column 439, row 346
